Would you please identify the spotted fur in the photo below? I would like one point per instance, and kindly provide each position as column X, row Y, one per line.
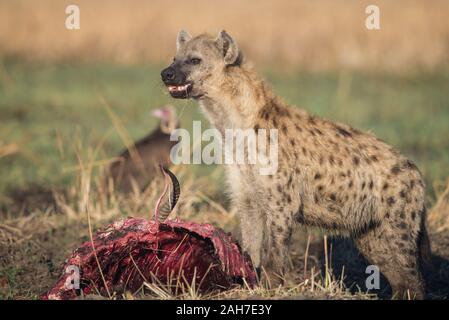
column 330, row 175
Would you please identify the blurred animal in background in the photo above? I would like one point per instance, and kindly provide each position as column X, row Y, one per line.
column 138, row 165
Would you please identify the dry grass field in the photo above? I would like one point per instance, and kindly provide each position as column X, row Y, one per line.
column 58, row 89
column 314, row 35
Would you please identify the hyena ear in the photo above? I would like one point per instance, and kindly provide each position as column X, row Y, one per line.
column 183, row 37
column 228, row 47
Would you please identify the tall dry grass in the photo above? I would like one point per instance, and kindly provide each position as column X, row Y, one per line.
column 317, row 35
column 439, row 213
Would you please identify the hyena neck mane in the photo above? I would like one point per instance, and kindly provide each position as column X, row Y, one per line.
column 237, row 98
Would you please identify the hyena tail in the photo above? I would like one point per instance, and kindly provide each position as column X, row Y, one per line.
column 425, row 254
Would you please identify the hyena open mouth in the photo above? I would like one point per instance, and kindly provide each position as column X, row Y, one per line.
column 180, row 91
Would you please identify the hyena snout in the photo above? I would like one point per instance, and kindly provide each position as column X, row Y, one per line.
column 176, row 82
column 168, row 75
column 173, row 75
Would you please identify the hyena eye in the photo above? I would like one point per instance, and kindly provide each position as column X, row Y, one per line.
column 194, row 61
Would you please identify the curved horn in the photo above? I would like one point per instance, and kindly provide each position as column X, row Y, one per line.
column 164, row 209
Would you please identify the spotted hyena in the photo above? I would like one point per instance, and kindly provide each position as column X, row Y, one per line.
column 329, row 175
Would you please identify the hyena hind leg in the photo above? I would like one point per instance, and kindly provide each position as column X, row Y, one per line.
column 395, row 251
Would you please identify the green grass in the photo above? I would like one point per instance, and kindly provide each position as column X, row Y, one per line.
column 40, row 102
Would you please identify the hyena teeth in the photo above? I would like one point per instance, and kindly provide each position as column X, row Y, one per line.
column 178, row 88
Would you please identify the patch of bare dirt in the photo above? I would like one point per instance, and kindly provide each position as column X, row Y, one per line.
column 30, row 261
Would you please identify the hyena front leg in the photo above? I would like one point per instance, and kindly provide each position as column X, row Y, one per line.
column 252, row 226
column 275, row 259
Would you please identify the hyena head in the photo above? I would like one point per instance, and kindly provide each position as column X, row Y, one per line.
column 198, row 63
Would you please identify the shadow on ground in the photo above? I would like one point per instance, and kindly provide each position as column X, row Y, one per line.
column 345, row 258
